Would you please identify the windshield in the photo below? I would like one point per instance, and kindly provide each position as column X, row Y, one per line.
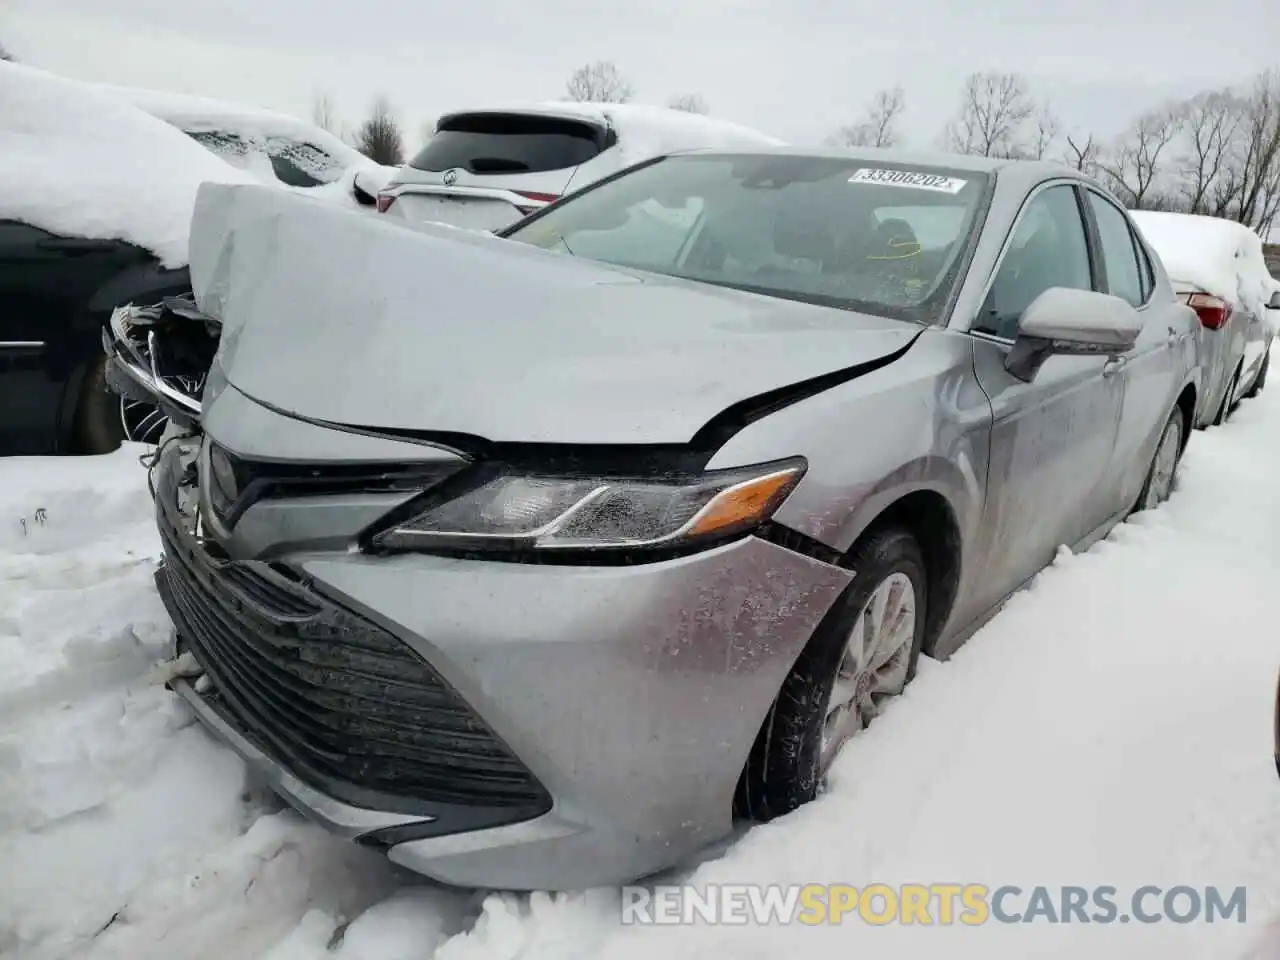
column 878, row 237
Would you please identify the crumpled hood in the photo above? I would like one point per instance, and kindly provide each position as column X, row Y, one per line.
column 336, row 316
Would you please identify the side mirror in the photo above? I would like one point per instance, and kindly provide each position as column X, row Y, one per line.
column 1071, row 323
column 1274, row 302
column 366, row 195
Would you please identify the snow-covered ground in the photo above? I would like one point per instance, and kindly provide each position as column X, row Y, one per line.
column 1111, row 726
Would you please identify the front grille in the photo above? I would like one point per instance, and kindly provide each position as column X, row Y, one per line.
column 339, row 701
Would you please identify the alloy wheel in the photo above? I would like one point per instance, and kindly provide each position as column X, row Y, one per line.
column 1165, row 464
column 142, row 422
column 875, row 663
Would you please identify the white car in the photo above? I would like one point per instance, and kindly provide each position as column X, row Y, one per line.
column 272, row 147
column 485, row 169
column 1217, row 267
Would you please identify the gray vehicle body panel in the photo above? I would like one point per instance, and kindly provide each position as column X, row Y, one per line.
column 634, row 692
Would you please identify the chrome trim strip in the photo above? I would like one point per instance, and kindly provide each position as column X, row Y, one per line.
column 148, row 380
column 23, row 344
column 464, row 193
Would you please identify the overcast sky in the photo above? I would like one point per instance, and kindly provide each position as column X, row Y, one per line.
column 793, row 68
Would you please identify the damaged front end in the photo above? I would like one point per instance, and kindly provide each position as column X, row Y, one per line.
column 158, row 360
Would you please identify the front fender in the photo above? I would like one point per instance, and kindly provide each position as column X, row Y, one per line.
column 920, row 423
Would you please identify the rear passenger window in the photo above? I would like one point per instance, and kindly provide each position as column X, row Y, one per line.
column 1118, row 253
column 509, row 143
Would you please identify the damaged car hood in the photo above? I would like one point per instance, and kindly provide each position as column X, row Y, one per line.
column 348, row 319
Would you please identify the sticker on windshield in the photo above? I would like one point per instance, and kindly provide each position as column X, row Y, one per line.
column 910, row 179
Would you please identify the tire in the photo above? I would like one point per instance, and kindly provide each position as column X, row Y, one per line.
column 786, row 766
column 1226, row 408
column 1164, row 463
column 1260, row 380
column 97, row 427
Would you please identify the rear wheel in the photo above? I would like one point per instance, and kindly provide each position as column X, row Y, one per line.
column 863, row 655
column 1164, row 465
column 97, row 428
column 1224, row 411
column 1260, row 380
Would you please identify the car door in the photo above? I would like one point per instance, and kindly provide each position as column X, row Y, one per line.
column 1146, row 370
column 1255, row 294
column 34, row 317
column 46, row 336
column 1052, row 457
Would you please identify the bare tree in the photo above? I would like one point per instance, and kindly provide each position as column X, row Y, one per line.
column 1136, row 160
column 1248, row 188
column 1046, row 133
column 878, row 127
column 323, row 114
column 689, row 103
column 1208, row 125
column 993, row 114
column 379, row 136
column 599, row 82
column 1083, row 155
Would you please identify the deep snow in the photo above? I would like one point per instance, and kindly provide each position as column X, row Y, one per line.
column 1111, row 726
column 73, row 161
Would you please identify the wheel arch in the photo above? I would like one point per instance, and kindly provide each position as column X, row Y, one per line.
column 931, row 519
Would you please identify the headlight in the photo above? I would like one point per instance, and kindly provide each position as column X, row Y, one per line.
column 514, row 512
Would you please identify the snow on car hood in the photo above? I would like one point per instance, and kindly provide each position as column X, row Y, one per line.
column 354, row 320
column 78, row 162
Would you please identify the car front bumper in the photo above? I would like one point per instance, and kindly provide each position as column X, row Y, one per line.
column 630, row 695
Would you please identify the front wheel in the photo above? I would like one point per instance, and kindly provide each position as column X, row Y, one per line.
column 863, row 655
column 1164, row 465
column 97, row 427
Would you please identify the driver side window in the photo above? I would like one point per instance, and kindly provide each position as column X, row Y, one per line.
column 1048, row 250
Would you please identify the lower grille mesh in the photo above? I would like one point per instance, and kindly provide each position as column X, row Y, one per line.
column 339, row 701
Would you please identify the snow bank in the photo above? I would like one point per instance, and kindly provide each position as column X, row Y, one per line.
column 1219, row 256
column 1110, row 726
column 77, row 162
column 645, row 131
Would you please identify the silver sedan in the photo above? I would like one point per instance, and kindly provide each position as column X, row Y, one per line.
column 534, row 560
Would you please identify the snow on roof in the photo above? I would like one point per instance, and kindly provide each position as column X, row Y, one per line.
column 198, row 114
column 1219, row 256
column 77, row 162
column 645, row 131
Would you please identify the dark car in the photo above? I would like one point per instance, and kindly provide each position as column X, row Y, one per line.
column 58, row 292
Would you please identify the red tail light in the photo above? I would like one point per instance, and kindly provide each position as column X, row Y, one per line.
column 384, row 202
column 539, row 197
column 1214, row 312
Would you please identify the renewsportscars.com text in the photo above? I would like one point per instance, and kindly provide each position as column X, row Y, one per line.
column 941, row 904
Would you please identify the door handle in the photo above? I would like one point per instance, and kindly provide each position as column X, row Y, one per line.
column 1113, row 366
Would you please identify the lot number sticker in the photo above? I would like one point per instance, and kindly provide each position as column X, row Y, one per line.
column 910, row 179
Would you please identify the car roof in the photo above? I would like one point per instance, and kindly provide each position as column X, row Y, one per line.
column 1032, row 170
column 193, row 114
column 627, row 117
